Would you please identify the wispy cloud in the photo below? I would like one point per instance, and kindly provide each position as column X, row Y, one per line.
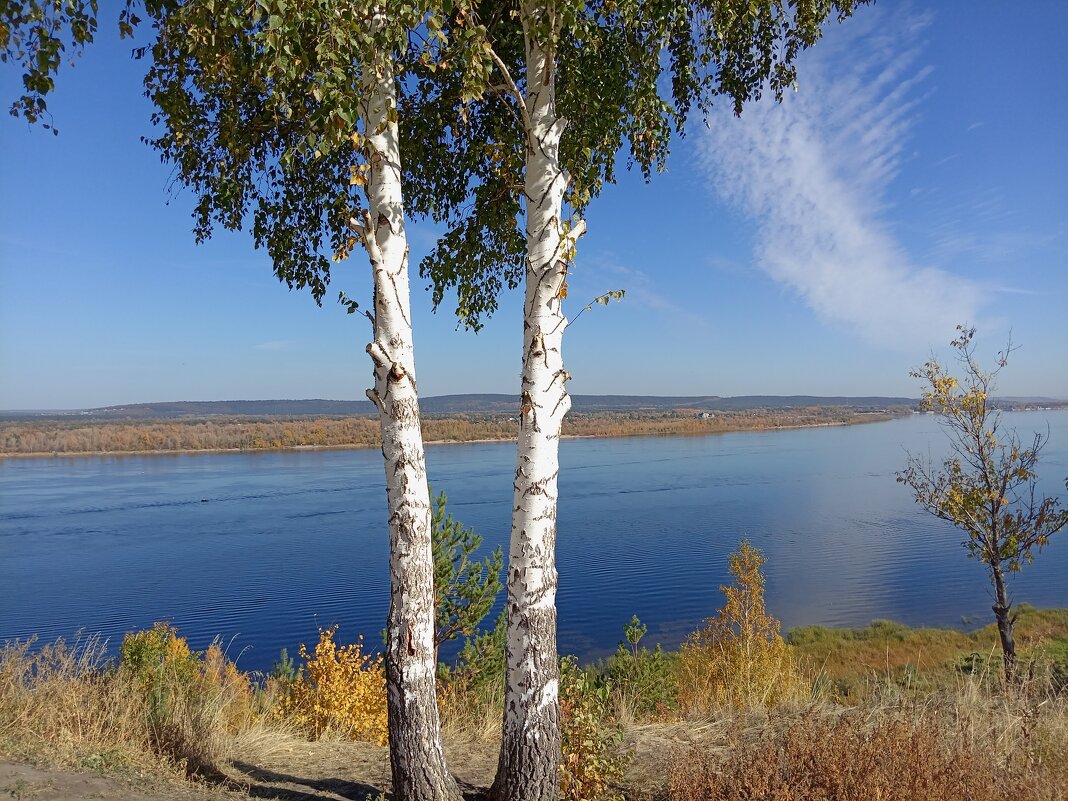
column 813, row 173
column 277, row 345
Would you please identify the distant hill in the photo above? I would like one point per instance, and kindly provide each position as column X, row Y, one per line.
column 459, row 404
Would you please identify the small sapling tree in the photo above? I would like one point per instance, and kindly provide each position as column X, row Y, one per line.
column 988, row 486
column 738, row 658
column 465, row 587
column 643, row 679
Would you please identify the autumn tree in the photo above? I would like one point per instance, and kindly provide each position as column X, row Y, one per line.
column 987, row 487
column 738, row 658
column 575, row 87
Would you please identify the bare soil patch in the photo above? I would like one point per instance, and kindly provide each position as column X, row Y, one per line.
column 297, row 771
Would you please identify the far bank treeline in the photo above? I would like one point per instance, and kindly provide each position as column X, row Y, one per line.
column 73, row 436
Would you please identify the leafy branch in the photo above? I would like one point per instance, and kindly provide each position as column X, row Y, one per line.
column 601, row 300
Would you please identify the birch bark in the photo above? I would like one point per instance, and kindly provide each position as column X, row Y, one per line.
column 417, row 759
column 530, row 747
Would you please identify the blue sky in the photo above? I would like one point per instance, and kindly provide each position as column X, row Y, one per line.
column 919, row 177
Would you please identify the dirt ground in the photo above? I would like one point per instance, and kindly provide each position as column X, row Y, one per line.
column 302, row 771
column 296, row 771
column 29, row 783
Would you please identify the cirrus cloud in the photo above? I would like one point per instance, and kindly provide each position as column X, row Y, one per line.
column 813, row 173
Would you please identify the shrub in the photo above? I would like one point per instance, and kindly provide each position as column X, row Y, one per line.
column 191, row 701
column 230, row 688
column 593, row 757
column 158, row 656
column 340, row 690
column 738, row 658
column 284, row 671
column 160, row 664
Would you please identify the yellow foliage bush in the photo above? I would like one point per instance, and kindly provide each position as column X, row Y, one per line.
column 738, row 658
column 220, row 677
column 192, row 701
column 340, row 690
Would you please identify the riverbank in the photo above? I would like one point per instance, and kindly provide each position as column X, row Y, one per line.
column 28, row 439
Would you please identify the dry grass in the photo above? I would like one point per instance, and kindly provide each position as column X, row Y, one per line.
column 59, row 701
column 68, row 705
column 964, row 745
column 470, row 715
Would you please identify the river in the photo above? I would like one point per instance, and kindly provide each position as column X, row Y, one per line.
column 261, row 548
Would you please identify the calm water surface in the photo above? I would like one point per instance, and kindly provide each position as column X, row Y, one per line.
column 264, row 547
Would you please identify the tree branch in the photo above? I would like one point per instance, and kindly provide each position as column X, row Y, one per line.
column 528, row 125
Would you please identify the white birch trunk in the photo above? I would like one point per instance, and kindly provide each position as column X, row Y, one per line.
column 416, row 756
column 530, row 747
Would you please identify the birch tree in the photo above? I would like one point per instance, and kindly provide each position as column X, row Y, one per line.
column 283, row 116
column 576, row 85
column 258, row 125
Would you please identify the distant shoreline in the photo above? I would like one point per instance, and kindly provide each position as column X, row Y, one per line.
column 857, row 419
